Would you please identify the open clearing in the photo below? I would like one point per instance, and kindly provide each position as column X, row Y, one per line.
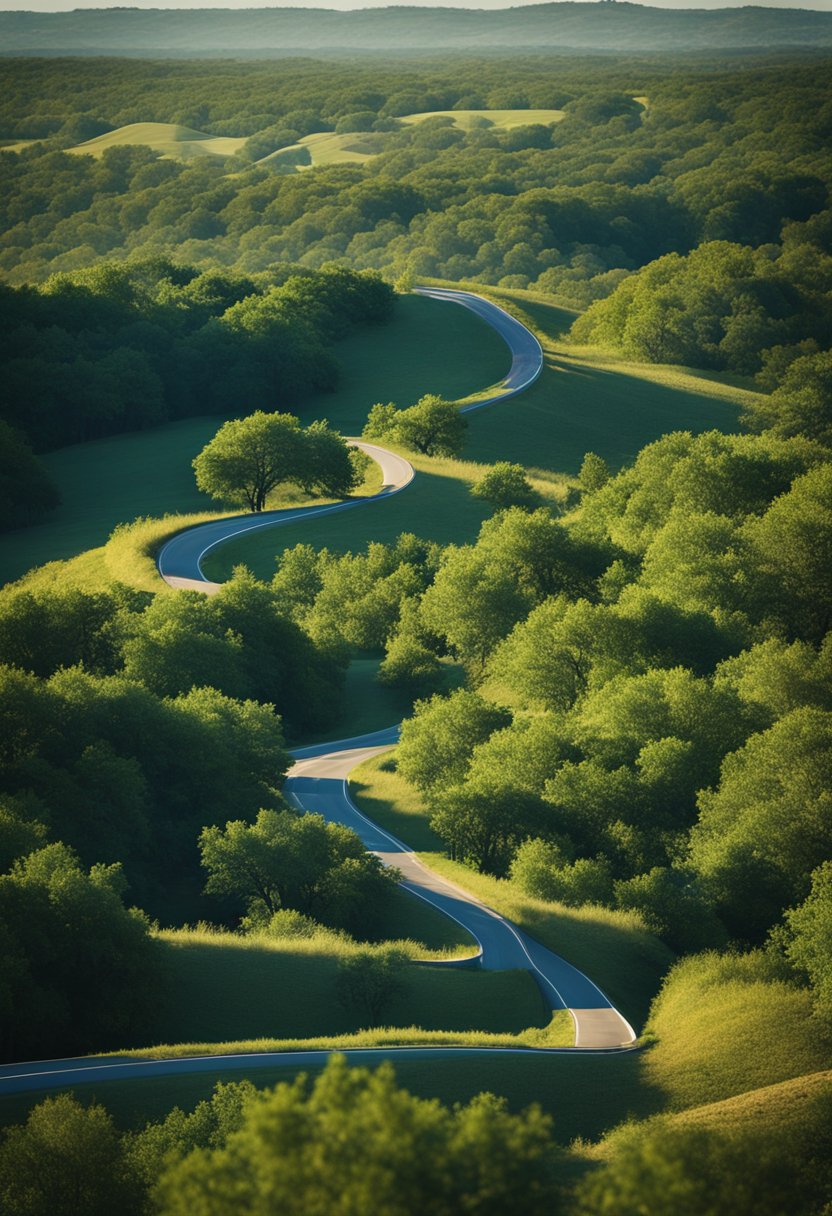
column 325, row 148
column 225, row 988
column 170, row 140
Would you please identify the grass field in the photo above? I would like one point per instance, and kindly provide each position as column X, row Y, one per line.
column 169, row 139
column 613, row 948
column 323, row 148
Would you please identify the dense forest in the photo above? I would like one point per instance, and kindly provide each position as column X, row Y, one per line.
column 571, row 208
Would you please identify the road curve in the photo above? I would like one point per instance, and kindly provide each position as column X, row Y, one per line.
column 180, row 560
column 318, row 782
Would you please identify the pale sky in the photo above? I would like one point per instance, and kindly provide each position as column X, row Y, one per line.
column 54, row 6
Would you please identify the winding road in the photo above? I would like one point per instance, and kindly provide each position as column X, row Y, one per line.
column 318, row 782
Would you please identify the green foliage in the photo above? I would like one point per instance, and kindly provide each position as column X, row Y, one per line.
column 800, row 403
column 27, row 492
column 767, row 826
column 394, row 1153
column 369, row 981
column 807, row 937
column 108, row 768
column 80, row 971
column 410, row 663
column 438, row 741
column 285, row 860
column 541, row 870
column 433, row 426
column 66, row 1158
column 250, row 457
column 721, row 306
column 505, row 485
column 594, row 473
column 123, row 346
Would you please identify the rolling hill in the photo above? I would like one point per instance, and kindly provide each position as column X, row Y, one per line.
column 169, row 139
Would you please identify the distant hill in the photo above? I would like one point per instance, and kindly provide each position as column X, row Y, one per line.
column 611, row 25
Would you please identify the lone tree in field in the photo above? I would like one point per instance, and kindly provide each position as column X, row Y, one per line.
column 249, row 457
column 432, row 426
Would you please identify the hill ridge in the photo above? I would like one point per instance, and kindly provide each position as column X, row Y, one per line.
column 565, row 24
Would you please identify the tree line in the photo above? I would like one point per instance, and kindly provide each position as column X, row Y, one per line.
column 247, row 1150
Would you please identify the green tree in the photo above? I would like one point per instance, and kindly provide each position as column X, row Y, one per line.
column 250, row 457
column 433, row 426
column 802, row 402
column 27, row 492
column 768, row 824
column 505, row 485
column 594, row 473
column 369, row 981
column 67, row 1159
column 472, row 604
column 81, row 971
column 540, row 868
column 484, row 820
column 286, row 860
column 438, row 741
column 393, row 1153
column 807, row 937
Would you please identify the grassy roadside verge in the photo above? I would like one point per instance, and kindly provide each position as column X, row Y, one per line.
column 613, row 948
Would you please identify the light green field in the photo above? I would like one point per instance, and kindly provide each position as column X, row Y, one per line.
column 469, row 120
column 322, row 148
column 167, row 138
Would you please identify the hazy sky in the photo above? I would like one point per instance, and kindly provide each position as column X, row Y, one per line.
column 52, row 6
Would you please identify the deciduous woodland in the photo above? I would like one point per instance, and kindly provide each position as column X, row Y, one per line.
column 614, row 676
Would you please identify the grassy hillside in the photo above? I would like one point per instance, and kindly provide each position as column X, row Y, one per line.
column 225, row 988
column 169, row 139
column 322, row 148
column 149, row 473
